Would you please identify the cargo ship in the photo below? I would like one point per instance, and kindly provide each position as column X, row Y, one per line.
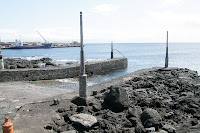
column 19, row 45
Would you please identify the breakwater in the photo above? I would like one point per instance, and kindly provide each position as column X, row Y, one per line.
column 34, row 74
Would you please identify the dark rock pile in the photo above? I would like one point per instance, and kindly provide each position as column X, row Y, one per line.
column 158, row 101
column 14, row 63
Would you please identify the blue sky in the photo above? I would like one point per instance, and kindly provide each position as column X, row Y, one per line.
column 104, row 20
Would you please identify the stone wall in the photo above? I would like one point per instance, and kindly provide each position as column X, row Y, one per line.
column 34, row 74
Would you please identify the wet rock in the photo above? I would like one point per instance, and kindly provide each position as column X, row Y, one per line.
column 117, row 99
column 169, row 128
column 85, row 120
column 150, row 118
column 45, row 60
column 79, row 101
column 13, row 63
column 50, row 64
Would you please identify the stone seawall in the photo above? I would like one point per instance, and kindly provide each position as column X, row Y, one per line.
column 34, row 74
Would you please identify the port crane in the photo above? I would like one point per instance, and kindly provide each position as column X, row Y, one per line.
column 41, row 36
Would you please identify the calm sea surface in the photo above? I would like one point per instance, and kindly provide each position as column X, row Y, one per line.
column 140, row 55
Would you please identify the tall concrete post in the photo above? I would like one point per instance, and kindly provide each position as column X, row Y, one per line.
column 166, row 58
column 83, row 76
column 111, row 50
column 1, row 60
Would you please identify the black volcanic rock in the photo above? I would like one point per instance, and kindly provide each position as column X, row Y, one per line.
column 135, row 111
column 45, row 60
column 117, row 99
column 14, row 63
column 162, row 100
column 79, row 101
column 150, row 118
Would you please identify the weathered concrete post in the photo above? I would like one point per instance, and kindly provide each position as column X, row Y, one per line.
column 166, row 58
column 111, row 50
column 1, row 60
column 83, row 76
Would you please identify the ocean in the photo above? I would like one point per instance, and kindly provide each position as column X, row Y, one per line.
column 140, row 56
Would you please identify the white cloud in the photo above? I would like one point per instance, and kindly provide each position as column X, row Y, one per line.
column 173, row 18
column 8, row 31
column 51, row 34
column 106, row 9
column 57, row 33
column 168, row 3
column 183, row 27
column 9, row 34
column 55, row 29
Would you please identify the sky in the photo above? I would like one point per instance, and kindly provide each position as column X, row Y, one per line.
column 120, row 21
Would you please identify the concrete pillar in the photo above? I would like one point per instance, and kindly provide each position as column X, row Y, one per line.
column 1, row 61
column 166, row 58
column 111, row 50
column 83, row 76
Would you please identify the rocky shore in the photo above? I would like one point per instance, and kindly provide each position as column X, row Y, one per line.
column 152, row 100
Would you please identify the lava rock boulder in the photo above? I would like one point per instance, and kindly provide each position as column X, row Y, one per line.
column 151, row 118
column 116, row 99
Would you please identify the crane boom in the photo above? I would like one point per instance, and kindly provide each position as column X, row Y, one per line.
column 41, row 36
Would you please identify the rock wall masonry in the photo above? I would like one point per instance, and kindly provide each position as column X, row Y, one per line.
column 34, row 74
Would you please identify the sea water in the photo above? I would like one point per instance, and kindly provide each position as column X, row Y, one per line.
column 140, row 56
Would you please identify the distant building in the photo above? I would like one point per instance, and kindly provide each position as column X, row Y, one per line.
column 61, row 44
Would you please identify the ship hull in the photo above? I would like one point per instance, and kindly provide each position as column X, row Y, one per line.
column 32, row 47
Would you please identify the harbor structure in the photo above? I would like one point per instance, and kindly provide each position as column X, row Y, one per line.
column 83, row 76
column 8, row 45
column 51, row 73
column 65, row 44
column 166, row 58
column 111, row 50
column 18, row 44
column 42, row 37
